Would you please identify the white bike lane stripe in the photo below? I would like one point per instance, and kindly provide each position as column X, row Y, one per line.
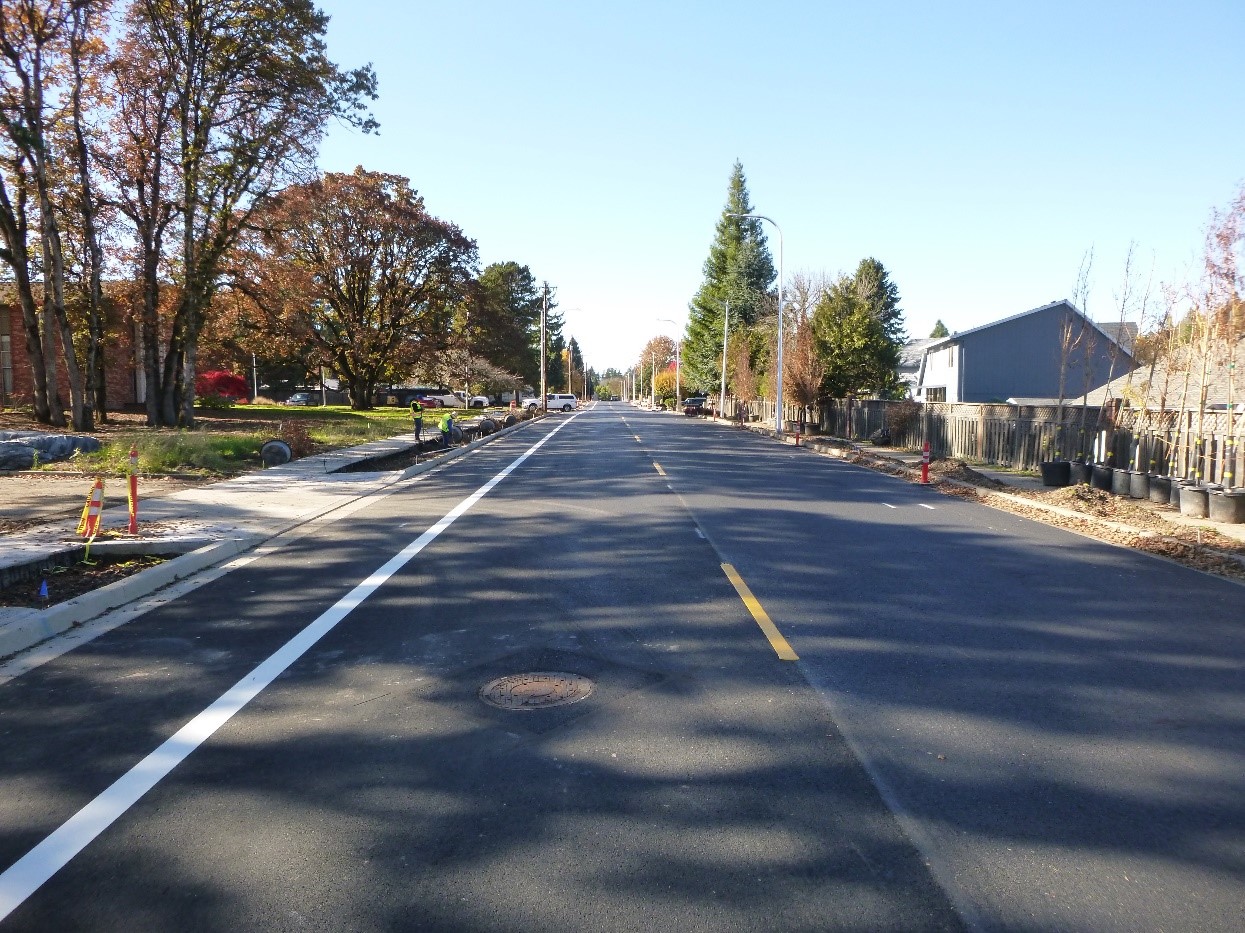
column 32, row 870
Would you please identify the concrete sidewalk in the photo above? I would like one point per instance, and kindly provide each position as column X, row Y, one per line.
column 206, row 525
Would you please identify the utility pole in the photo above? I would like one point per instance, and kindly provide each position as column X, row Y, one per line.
column 544, row 343
column 726, row 329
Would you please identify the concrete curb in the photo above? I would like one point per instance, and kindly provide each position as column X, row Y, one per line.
column 24, row 628
column 27, row 627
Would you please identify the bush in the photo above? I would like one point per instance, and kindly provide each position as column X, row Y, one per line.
column 900, row 415
column 222, row 383
column 212, row 400
column 294, row 433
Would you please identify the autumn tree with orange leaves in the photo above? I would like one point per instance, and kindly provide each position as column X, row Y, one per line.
column 352, row 268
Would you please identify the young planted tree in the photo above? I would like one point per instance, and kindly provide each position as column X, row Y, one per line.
column 745, row 383
column 1071, row 333
column 352, row 267
column 804, row 368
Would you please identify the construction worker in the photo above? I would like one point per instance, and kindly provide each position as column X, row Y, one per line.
column 447, row 428
column 417, row 416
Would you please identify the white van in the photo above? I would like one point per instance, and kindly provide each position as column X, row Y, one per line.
column 554, row 401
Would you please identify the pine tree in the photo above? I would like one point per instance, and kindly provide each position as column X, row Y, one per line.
column 881, row 295
column 940, row 330
column 860, row 358
column 739, row 269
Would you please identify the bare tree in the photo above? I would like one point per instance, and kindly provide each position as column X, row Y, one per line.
column 1088, row 340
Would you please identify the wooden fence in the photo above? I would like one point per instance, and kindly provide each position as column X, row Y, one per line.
column 1208, row 446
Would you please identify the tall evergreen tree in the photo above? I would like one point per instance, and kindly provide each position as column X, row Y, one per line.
column 739, row 269
column 858, row 328
column 881, row 296
column 940, row 330
column 505, row 319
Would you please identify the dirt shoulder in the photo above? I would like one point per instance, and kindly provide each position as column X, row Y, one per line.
column 35, row 498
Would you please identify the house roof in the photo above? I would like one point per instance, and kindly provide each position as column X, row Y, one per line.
column 1141, row 387
column 911, row 352
column 1108, row 331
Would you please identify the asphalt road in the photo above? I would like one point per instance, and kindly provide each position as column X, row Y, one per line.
column 991, row 723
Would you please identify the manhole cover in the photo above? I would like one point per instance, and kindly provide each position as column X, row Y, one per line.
column 537, row 690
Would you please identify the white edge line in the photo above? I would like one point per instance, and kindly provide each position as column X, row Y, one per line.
column 924, row 506
column 889, row 506
column 32, row 870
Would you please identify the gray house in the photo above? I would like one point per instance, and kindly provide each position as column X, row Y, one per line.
column 1021, row 357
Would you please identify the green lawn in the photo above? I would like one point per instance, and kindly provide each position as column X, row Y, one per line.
column 227, row 441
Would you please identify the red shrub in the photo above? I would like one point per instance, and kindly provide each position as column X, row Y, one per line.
column 224, row 384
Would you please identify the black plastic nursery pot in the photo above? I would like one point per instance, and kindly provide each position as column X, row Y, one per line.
column 1228, row 506
column 1139, row 484
column 1121, row 482
column 1194, row 501
column 1160, row 489
column 1055, row 472
column 1174, row 499
column 1102, row 477
column 1078, row 472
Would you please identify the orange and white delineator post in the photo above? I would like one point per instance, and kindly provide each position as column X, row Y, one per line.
column 88, row 525
column 925, row 464
column 133, row 529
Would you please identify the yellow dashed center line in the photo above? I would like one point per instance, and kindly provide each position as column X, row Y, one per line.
column 776, row 641
column 657, row 466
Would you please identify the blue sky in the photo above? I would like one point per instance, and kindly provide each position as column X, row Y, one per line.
column 976, row 149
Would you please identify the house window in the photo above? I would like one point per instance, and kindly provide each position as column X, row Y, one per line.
column 936, row 395
column 951, row 355
column 6, row 364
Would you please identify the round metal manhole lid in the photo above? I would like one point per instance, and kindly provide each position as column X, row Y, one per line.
column 536, row 690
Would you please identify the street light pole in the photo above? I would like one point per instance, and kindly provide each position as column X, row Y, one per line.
column 544, row 342
column 726, row 327
column 678, row 345
column 778, row 412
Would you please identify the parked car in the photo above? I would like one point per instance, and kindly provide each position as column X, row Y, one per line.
column 302, row 398
column 476, row 401
column 693, row 407
column 430, row 396
column 554, row 401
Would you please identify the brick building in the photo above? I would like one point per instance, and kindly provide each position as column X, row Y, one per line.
column 122, row 374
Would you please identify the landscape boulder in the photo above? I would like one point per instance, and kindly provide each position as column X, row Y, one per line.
column 18, row 448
